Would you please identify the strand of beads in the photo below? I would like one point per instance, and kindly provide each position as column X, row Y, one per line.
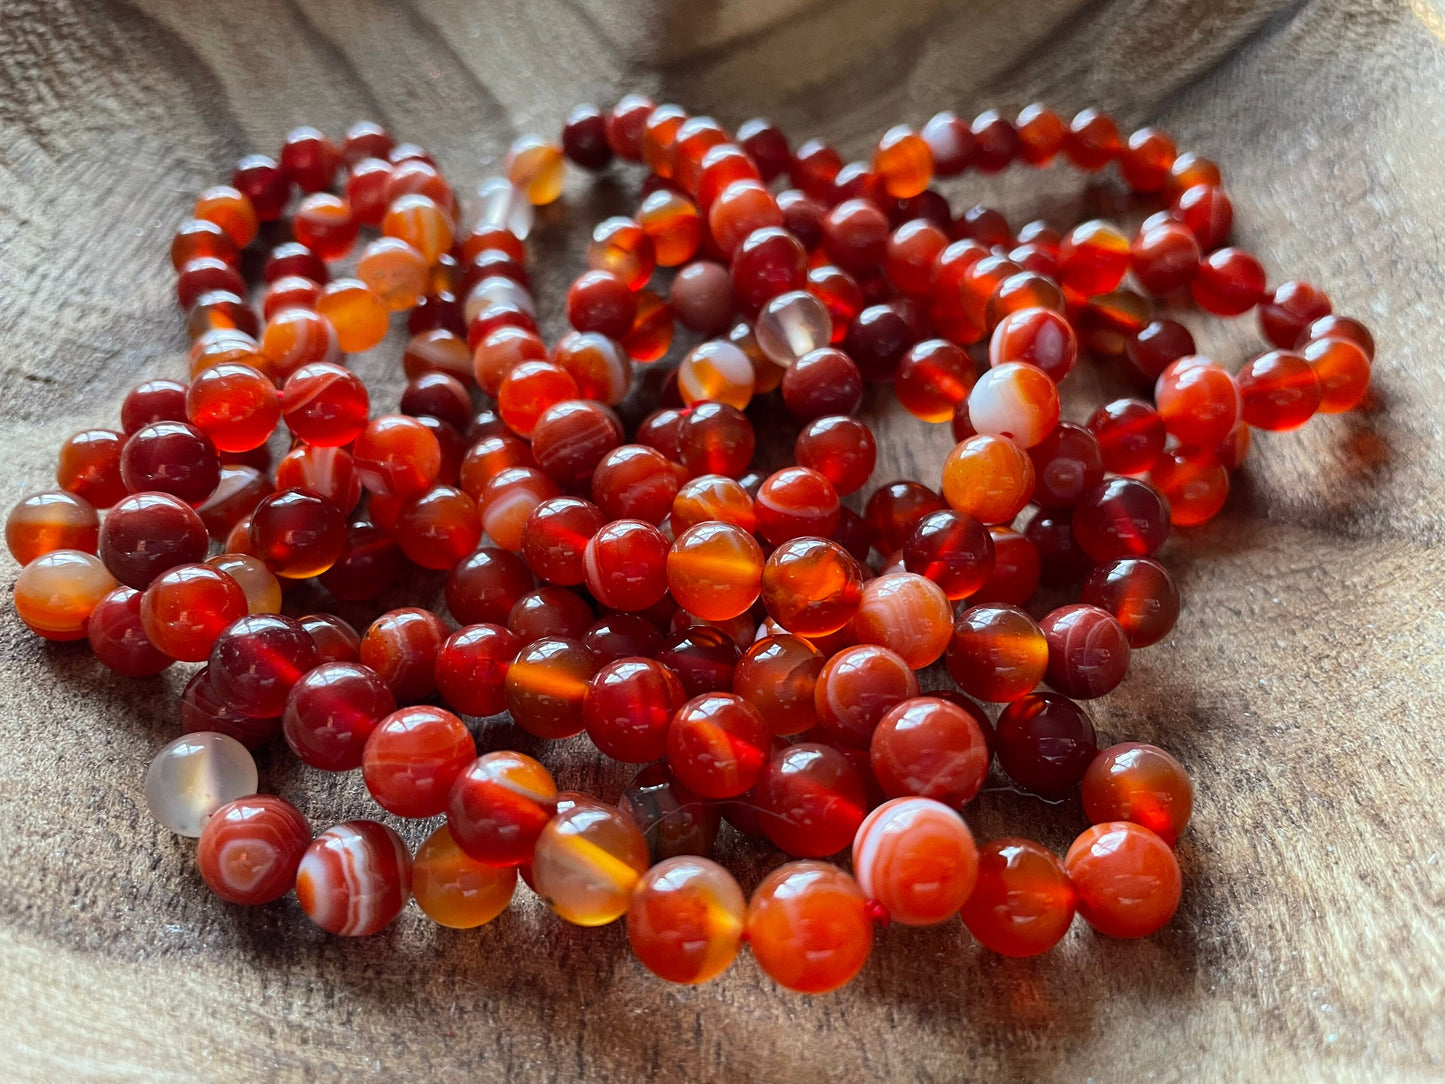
column 721, row 627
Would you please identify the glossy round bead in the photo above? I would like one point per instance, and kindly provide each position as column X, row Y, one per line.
column 401, row 646
column 1016, row 569
column 250, row 849
column 717, row 371
column 118, row 637
column 717, row 745
column 856, row 688
column 1093, row 258
column 1139, row 593
column 1343, row 371
column 354, row 879
column 628, row 706
column 794, row 502
column 1015, row 400
column 439, row 528
column 335, row 639
column 169, row 457
column 397, row 456
column 839, row 448
column 186, row 608
column 1039, row 337
column 500, row 351
column 1130, row 434
column 45, row 522
column 1164, row 257
column 412, row 758
column 791, row 325
column 234, row 405
column 584, row 138
column 498, row 807
column 1045, row 743
column 895, row 509
column 811, row 586
column 916, row 858
column 550, row 611
column 504, row 218
column 536, row 167
column 395, row 272
column 703, row 658
column 471, row 668
column 257, row 660
column 702, row 297
column 933, row 378
column 331, row 712
column 673, row 223
column 236, row 496
column 931, row 747
column 714, row 570
column 1278, row 390
column 229, row 209
column 1194, row 484
column 1339, row 327
column 422, row 223
column 325, row 472
column 600, row 301
column 650, row 336
column 598, row 365
column 1067, row 464
column 572, row 438
column 555, row 535
column 485, row 586
column 634, row 481
column 455, row 890
column 194, row 776
column 369, row 565
column 810, row 800
column 621, row 636
column 546, row 686
column 358, row 316
column 952, row 549
column 907, row 613
column 712, row 497
column 202, row 711
column 1126, row 878
column 808, row 927
column 1022, row 902
column 297, row 533
column 778, row 676
column 1230, row 281
column 998, row 653
column 823, row 382
column 622, row 246
column 1139, row 783
column 89, row 466
column 988, row 477
column 1088, row 650
column 587, row 861
column 625, row 565
column 685, row 919
column 1121, row 517
column 1289, row 309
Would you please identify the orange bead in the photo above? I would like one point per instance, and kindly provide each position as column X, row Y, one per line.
column 714, row 570
column 659, row 138
column 528, row 390
column 811, row 586
column 903, row 161
column 741, row 208
column 808, row 927
column 1194, row 483
column 1146, row 159
column 422, row 223
column 1279, row 390
column 537, row 168
column 46, row 522
column 651, row 332
column 588, row 860
column 989, row 477
column 357, row 314
column 906, row 613
column 1015, row 400
column 1022, row 903
column 1142, row 783
column 716, row 371
column 56, row 593
column 998, row 653
column 1093, row 258
column 229, row 209
column 1198, row 401
column 917, row 858
column 293, row 338
column 712, row 496
column 546, row 687
column 323, row 222
column 395, row 272
column 673, row 223
column 1126, row 877
column 778, row 676
column 623, row 247
column 508, row 498
column 454, row 889
column 1343, row 370
column 501, row 351
column 685, row 920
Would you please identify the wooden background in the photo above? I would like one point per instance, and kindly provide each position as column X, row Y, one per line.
column 1303, row 686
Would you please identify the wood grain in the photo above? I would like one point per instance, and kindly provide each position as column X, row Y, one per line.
column 1302, row 686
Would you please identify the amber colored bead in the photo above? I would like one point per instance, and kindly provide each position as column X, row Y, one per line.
column 1121, row 517
column 673, row 223
column 230, row 209
column 777, row 676
column 546, row 685
column 297, row 533
column 808, row 927
column 401, row 646
column 455, row 890
column 714, row 570
column 1194, row 483
column 422, row 223
column 118, row 637
column 685, row 919
column 413, row 757
column 839, row 448
column 1130, row 435
column 998, row 653
column 989, row 477
column 825, row 381
column 289, row 292
column 218, row 310
column 1145, row 159
column 715, row 438
column 903, row 162
column 916, row 860
column 856, row 688
column 357, row 314
column 498, row 807
column 840, row 294
column 234, row 405
column 933, row 748
column 200, row 239
column 1022, row 902
column 1343, row 372
column 796, row 501
column 716, row 371
column 536, row 167
column 550, row 611
column 650, row 335
column 501, row 351
column 89, row 467
column 600, row 367
column 186, row 608
column 717, row 745
column 1126, row 878
column 56, row 593
column 1230, row 281
column 933, row 378
column 1198, row 401
column 1139, row 783
column 1093, row 258
column 294, row 338
column 810, row 800
column 45, row 522
column 395, row 272
column 1335, row 327
column 625, row 565
column 587, row 860
column 623, row 247
column 811, row 586
column 1278, row 390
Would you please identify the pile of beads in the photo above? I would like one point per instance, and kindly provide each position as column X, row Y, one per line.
column 638, row 581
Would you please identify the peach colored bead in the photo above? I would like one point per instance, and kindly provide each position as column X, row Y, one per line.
column 906, row 613
column 716, row 371
column 537, row 168
column 917, row 858
column 1015, row 400
column 396, row 273
column 56, row 593
column 422, row 223
column 791, row 325
column 587, row 862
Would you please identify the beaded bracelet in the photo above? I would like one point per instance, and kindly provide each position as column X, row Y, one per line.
column 745, row 651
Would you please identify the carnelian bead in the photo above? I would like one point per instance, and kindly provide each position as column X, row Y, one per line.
column 1194, row 483
column 257, row 660
column 634, row 481
column 1188, row 170
column 651, row 333
column 584, row 138
column 702, row 296
column 674, row 225
column 1067, row 464
column 309, row 159
column 716, row 371
column 600, row 301
column 395, row 272
column 1022, row 902
column 45, row 522
column 1139, row 593
column 471, row 668
column 325, row 224
column 327, row 472
column 1230, row 281
column 546, row 686
column 1164, row 257
column 950, row 144
column 153, row 401
column 1156, row 345
column 357, row 314
column 200, row 239
column 1019, row 292
column 856, row 688
column 808, row 927
column 205, row 275
column 572, row 438
column 1207, row 213
column 58, row 591
column 536, row 167
column 717, row 745
column 289, row 292
column 628, row 706
column 169, row 457
column 716, row 438
column 186, row 608
column 1290, row 308
column 498, row 807
column 250, row 849
column 413, row 757
column 917, row 859
column 714, row 570
column 840, row 448
column 1015, row 400
column 989, row 477
column 903, row 162
column 953, row 550
column 297, row 533
column 933, row 748
column 909, row 256
column 1121, row 517
column 814, row 167
column 933, row 378
column 996, row 141
column 335, row 639
column 485, row 586
column 294, row 338
column 778, row 676
column 422, row 223
column 555, row 535
column 439, row 527
column 658, row 138
column 1278, row 390
column 294, row 258
column 147, row 533
column 587, row 860
column 528, row 389
column 1130, row 434
column 998, row 653
column 703, row 658
column 234, row 405
column 1088, row 650
column 796, row 501
column 455, row 890
column 895, row 509
column 1343, row 372
column 811, row 586
column 1045, row 743
column 1093, row 258
column 855, row 236
column 231, row 210
column 1198, row 401
column 397, row 457
column 685, row 919
column 1016, row 569
column 1139, row 783
column 1126, row 878
column 825, row 381
column 1146, row 158
column 625, row 565
column 600, row 367
column 840, row 295
column 501, row 351
column 550, row 611
column 907, row 613
column 508, row 499
column 769, row 261
column 331, row 711
column 365, row 190
column 621, row 636
column 1340, row 327
column 810, row 800
column 623, row 247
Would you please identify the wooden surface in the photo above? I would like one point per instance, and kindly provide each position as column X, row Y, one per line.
column 1302, row 687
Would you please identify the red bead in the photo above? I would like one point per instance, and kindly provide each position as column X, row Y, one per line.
column 1198, row 401
column 1093, row 258
column 768, row 262
column 118, row 638
column 1343, row 371
column 1121, row 517
column 1039, row 337
column 1194, row 483
column 256, row 661
column 1139, row 783
column 628, row 706
column 401, row 646
column 550, row 611
column 810, row 800
column 856, row 688
column 1045, row 743
column 1230, row 281
column 1278, row 390
column 635, row 482
column 1088, row 650
column 1127, row 879
column 933, row 748
column 185, row 609
column 250, row 849
column 1022, row 903
column 1139, row 593
column 998, row 653
column 1067, row 463
column 309, row 159
column 717, row 745
column 1207, row 213
column 1092, row 140
column 996, row 141
column 547, row 684
column 714, row 438
column 1164, row 258
column 704, row 659
column 412, row 759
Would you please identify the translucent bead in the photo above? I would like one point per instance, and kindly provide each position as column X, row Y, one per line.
column 588, row 860
column 808, row 927
column 717, row 371
column 917, row 858
column 502, row 205
column 685, row 922
column 194, row 776
column 791, row 325
column 456, row 890
column 537, row 168
column 1015, row 400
